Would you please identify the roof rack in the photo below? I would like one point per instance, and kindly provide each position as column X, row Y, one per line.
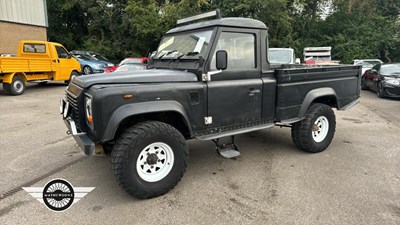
column 208, row 15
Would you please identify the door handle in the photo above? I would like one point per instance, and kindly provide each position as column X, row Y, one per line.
column 253, row 91
column 54, row 60
column 58, row 60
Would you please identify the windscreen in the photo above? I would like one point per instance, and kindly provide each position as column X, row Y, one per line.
column 192, row 43
column 390, row 69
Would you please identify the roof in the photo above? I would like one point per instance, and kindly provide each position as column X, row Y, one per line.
column 225, row 22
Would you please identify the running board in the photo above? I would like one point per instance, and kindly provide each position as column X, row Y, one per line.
column 235, row 132
column 227, row 150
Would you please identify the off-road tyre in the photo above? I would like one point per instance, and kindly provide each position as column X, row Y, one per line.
column 313, row 141
column 130, row 148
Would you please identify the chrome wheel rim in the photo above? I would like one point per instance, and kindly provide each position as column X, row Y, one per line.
column 155, row 162
column 18, row 86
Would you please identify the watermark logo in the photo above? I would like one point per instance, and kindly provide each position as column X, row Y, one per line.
column 58, row 194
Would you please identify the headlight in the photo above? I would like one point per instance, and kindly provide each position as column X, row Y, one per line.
column 88, row 109
column 392, row 82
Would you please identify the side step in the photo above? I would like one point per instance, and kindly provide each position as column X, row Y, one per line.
column 227, row 149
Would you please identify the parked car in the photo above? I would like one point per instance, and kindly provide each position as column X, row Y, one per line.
column 384, row 79
column 138, row 61
column 367, row 63
column 90, row 65
column 92, row 57
column 131, row 67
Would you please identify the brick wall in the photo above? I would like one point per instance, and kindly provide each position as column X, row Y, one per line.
column 12, row 33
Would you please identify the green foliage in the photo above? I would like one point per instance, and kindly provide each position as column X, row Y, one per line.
column 122, row 28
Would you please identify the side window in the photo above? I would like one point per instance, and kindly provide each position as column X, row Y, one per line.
column 62, row 54
column 240, row 48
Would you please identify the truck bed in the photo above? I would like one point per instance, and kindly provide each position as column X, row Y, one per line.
column 298, row 85
column 22, row 64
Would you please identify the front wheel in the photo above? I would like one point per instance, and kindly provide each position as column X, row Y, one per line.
column 17, row 86
column 379, row 91
column 315, row 132
column 149, row 159
column 73, row 74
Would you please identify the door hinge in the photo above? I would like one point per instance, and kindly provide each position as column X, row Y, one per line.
column 208, row 120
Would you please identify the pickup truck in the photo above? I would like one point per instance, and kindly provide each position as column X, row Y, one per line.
column 36, row 61
column 209, row 80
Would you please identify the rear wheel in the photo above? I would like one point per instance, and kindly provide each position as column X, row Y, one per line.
column 149, row 159
column 315, row 132
column 17, row 86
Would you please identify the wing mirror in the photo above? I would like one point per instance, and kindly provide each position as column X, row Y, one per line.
column 222, row 60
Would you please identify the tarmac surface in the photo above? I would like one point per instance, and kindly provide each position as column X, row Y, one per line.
column 355, row 181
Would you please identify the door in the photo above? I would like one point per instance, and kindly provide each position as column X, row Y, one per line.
column 235, row 94
column 372, row 77
column 63, row 64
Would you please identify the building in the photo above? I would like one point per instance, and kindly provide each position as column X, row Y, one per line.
column 21, row 20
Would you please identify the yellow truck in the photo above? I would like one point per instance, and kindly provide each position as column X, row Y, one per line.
column 37, row 61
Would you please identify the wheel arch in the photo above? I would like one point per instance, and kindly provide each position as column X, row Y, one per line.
column 320, row 95
column 169, row 112
column 7, row 78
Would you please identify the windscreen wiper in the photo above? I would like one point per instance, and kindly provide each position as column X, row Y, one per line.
column 167, row 53
column 187, row 54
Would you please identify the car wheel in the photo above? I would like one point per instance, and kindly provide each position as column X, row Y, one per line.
column 379, row 91
column 149, row 159
column 87, row 70
column 73, row 74
column 17, row 86
column 315, row 132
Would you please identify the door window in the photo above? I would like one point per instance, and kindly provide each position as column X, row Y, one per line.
column 62, row 54
column 240, row 48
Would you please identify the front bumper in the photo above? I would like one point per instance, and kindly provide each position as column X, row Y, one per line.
column 392, row 91
column 81, row 138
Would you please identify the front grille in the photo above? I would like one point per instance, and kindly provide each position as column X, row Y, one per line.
column 73, row 103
